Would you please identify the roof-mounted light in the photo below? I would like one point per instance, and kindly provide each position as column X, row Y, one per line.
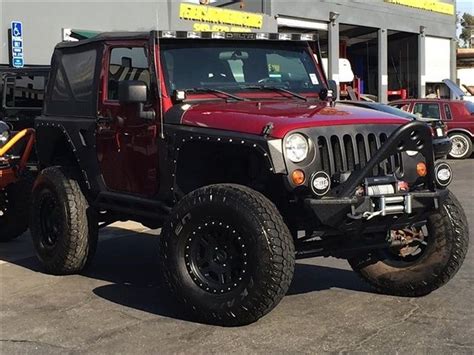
column 218, row 35
column 307, row 37
column 168, row 34
column 284, row 36
column 263, row 36
column 192, row 34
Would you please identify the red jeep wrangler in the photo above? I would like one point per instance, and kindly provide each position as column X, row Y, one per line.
column 233, row 144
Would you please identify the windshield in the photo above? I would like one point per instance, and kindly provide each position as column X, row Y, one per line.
column 470, row 107
column 237, row 66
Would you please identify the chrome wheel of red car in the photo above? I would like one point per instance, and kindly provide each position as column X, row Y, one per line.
column 461, row 146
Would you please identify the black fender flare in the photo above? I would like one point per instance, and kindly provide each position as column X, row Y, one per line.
column 78, row 134
column 178, row 135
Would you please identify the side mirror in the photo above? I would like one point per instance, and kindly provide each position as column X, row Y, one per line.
column 132, row 91
column 135, row 92
column 334, row 87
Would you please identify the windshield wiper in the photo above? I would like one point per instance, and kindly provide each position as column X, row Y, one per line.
column 275, row 88
column 216, row 91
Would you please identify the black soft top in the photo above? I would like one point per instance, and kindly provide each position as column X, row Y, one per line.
column 105, row 36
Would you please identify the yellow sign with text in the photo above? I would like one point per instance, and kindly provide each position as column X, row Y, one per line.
column 430, row 5
column 220, row 17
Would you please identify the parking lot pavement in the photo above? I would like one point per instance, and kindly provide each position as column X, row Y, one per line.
column 119, row 306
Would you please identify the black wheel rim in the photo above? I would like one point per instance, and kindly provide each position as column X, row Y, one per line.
column 216, row 257
column 50, row 220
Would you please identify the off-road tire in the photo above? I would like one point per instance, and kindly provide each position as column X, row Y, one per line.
column 267, row 240
column 466, row 143
column 448, row 241
column 76, row 230
column 14, row 222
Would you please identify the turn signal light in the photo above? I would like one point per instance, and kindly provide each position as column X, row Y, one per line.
column 297, row 176
column 421, row 169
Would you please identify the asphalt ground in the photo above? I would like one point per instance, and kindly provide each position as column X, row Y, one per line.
column 120, row 306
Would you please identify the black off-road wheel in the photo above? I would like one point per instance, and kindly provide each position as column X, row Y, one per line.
column 63, row 226
column 227, row 254
column 15, row 203
column 435, row 255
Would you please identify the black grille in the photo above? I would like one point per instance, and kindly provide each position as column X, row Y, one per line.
column 348, row 152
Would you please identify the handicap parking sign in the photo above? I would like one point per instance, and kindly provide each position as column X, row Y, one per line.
column 17, row 56
column 17, row 29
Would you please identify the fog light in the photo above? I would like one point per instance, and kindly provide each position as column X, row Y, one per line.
column 297, row 177
column 444, row 174
column 320, row 183
column 421, row 169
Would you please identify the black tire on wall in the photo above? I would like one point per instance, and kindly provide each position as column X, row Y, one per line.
column 227, row 254
column 63, row 226
column 443, row 255
column 15, row 215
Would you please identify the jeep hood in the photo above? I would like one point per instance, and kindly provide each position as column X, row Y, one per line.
column 252, row 116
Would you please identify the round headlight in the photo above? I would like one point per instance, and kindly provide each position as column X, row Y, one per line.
column 4, row 133
column 296, row 147
column 444, row 174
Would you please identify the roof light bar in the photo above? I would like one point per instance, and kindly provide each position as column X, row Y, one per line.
column 237, row 35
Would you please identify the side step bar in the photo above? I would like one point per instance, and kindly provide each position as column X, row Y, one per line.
column 132, row 205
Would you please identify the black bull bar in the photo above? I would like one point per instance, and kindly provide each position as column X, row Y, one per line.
column 336, row 208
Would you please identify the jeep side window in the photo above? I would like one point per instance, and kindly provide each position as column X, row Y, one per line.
column 447, row 112
column 127, row 64
column 427, row 110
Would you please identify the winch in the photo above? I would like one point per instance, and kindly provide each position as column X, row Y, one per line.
column 380, row 189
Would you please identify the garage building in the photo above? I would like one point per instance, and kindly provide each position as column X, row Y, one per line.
column 395, row 48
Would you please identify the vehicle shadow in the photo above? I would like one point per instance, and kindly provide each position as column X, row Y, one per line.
column 130, row 264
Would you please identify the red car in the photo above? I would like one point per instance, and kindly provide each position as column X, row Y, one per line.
column 458, row 114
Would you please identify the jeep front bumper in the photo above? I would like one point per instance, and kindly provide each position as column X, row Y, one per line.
column 341, row 213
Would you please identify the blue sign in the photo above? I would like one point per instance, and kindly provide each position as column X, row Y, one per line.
column 18, row 59
column 17, row 29
column 18, row 62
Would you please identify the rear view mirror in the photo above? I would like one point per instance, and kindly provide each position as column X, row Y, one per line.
column 132, row 91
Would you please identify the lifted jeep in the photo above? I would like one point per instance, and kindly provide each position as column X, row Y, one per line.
column 233, row 144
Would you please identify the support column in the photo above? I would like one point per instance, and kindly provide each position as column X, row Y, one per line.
column 382, row 65
column 421, row 66
column 453, row 63
column 333, row 52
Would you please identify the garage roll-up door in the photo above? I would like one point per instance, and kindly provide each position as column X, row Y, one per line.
column 437, row 59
